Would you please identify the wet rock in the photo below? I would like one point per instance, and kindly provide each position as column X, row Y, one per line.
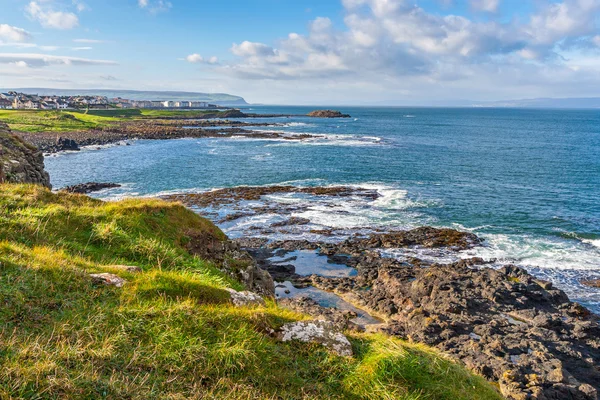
column 327, row 114
column 236, row 194
column 426, row 236
column 322, row 332
column 291, row 221
column 107, row 279
column 89, row 187
column 242, row 299
column 595, row 283
column 66, row 144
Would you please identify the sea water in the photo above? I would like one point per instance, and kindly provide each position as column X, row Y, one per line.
column 527, row 181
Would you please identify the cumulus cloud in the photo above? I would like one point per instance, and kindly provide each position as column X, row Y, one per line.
column 50, row 18
column 393, row 39
column 45, row 60
column 13, row 34
column 198, row 59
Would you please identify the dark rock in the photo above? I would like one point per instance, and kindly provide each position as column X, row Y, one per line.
column 89, row 187
column 20, row 162
column 65, row 144
column 291, row 221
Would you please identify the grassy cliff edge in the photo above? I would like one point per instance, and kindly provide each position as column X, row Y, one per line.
column 171, row 331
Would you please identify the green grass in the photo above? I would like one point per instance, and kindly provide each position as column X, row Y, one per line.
column 170, row 332
column 70, row 121
column 53, row 121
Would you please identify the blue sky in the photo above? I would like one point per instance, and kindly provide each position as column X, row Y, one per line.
column 307, row 52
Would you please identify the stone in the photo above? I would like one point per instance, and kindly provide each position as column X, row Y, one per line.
column 243, row 299
column 322, row 332
column 108, row 279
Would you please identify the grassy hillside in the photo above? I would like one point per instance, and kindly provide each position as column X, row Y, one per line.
column 70, row 121
column 170, row 332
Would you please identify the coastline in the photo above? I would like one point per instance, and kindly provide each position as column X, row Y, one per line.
column 464, row 308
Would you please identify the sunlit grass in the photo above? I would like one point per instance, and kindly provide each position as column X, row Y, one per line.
column 170, row 332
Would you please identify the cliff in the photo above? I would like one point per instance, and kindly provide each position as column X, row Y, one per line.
column 20, row 162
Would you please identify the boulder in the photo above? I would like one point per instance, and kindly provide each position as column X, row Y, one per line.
column 322, row 332
column 242, row 299
column 108, row 279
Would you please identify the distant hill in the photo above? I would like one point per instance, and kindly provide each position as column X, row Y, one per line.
column 584, row 102
column 218, row 98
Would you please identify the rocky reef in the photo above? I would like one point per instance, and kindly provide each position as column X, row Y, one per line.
column 20, row 162
column 504, row 324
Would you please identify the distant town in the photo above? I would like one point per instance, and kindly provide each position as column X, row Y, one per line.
column 23, row 101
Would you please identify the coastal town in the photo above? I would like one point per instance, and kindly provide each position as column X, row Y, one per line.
column 22, row 101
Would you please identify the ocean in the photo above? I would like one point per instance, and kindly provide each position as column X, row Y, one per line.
column 527, row 181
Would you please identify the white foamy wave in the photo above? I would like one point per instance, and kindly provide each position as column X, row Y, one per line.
column 321, row 139
column 538, row 252
column 593, row 242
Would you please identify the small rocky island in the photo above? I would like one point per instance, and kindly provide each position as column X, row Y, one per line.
column 327, row 114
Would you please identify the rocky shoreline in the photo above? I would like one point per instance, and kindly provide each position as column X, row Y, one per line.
column 502, row 323
column 213, row 125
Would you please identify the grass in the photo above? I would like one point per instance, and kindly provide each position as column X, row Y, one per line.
column 70, row 121
column 170, row 332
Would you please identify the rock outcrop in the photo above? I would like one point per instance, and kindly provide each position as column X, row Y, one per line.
column 20, row 162
column 322, row 332
column 327, row 114
column 84, row 188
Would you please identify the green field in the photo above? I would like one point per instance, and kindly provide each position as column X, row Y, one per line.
column 170, row 332
column 70, row 121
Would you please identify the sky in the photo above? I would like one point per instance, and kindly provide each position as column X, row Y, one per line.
column 367, row 52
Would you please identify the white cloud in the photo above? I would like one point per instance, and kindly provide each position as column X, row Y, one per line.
column 155, row 6
column 89, row 41
column 44, row 60
column 198, row 59
column 252, row 49
column 486, row 5
column 13, row 34
column 83, row 48
column 396, row 38
column 49, row 18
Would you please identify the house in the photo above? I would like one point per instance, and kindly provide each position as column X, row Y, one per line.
column 47, row 105
column 169, row 104
column 6, row 104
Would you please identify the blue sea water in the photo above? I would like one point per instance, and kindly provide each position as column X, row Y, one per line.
column 528, row 181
